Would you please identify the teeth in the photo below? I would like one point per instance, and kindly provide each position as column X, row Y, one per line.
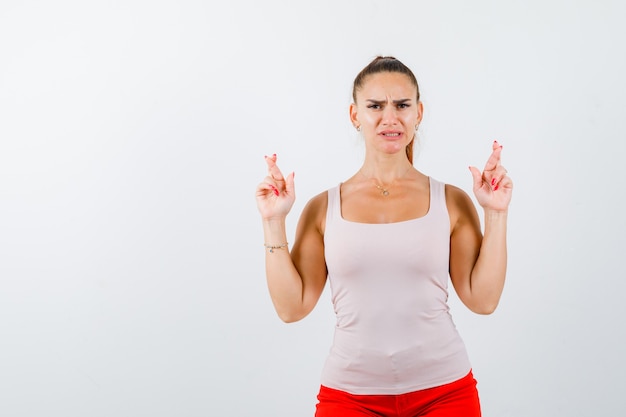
column 392, row 134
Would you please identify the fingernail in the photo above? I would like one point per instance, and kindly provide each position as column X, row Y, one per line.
column 493, row 181
column 496, row 188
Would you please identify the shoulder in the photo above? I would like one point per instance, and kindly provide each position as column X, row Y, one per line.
column 460, row 206
column 314, row 212
column 318, row 202
column 456, row 196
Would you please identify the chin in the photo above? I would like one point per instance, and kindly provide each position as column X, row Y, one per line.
column 394, row 149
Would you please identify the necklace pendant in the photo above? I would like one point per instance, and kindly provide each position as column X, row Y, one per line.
column 385, row 193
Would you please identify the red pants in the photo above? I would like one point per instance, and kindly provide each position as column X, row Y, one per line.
column 456, row 399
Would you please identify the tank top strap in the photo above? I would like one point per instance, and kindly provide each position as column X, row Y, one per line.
column 438, row 197
column 333, row 210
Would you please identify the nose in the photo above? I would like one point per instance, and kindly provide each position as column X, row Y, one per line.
column 390, row 115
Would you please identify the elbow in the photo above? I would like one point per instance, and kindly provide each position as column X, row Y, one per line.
column 292, row 312
column 289, row 317
column 485, row 309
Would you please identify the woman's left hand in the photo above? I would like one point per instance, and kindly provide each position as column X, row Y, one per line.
column 492, row 187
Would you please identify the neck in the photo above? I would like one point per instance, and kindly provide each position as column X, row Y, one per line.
column 385, row 172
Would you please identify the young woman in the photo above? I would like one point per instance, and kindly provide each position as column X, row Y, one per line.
column 388, row 239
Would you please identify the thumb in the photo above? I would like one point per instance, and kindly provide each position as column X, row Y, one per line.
column 289, row 184
column 476, row 176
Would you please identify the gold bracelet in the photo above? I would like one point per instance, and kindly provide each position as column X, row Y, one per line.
column 272, row 247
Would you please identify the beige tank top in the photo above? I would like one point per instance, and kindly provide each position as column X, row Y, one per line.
column 389, row 288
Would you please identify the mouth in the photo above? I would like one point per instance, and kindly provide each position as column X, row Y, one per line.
column 390, row 135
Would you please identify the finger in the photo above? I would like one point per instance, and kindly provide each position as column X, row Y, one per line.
column 494, row 158
column 498, row 175
column 273, row 169
column 289, row 184
column 273, row 185
column 266, row 188
column 505, row 183
column 477, row 177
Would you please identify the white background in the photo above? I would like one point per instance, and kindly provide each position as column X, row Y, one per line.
column 132, row 136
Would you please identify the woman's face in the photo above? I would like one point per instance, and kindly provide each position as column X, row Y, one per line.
column 387, row 111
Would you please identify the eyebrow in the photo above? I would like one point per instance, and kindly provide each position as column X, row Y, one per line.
column 401, row 101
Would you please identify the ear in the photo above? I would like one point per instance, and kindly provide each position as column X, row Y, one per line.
column 353, row 115
column 420, row 112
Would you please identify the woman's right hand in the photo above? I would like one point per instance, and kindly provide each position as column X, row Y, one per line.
column 276, row 194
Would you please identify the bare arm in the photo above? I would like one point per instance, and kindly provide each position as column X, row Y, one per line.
column 295, row 279
column 478, row 263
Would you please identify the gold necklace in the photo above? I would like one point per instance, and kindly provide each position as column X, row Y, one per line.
column 385, row 191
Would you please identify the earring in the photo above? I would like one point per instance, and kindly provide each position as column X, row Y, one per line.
column 416, row 126
column 358, row 128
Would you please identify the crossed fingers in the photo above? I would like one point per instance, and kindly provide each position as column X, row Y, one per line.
column 274, row 179
column 494, row 172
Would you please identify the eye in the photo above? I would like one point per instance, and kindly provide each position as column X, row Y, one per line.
column 373, row 106
column 404, row 105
